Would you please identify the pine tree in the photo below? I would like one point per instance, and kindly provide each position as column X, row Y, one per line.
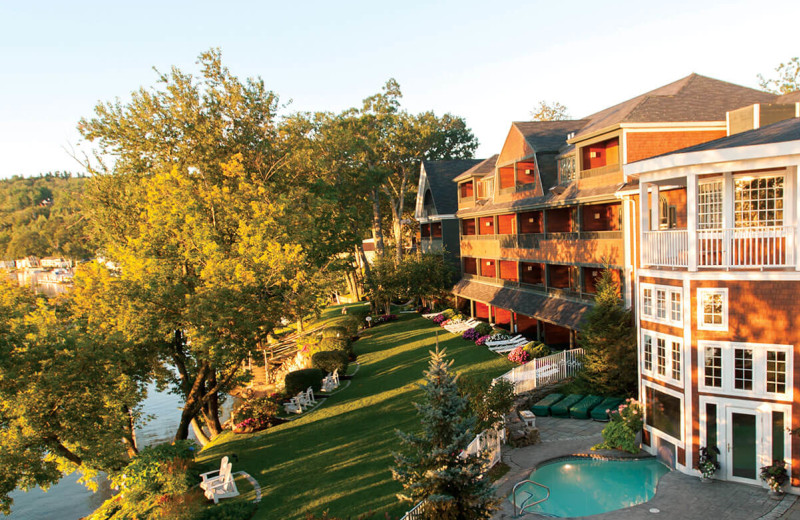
column 430, row 469
column 609, row 338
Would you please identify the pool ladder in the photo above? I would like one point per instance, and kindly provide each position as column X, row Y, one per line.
column 525, row 503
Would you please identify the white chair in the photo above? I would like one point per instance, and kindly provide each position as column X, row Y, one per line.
column 508, row 347
column 331, row 381
column 214, row 475
column 310, row 395
column 293, row 406
column 222, row 486
column 502, row 342
column 302, row 400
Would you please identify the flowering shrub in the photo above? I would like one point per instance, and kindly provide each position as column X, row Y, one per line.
column 620, row 433
column 470, row 334
column 445, row 323
column 259, row 409
column 775, row 475
column 499, row 337
column 448, row 313
column 384, row 318
column 519, row 355
column 439, row 318
column 482, row 340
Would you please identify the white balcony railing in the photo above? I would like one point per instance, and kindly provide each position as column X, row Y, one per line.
column 666, row 248
column 730, row 248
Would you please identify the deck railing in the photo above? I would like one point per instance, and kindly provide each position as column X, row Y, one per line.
column 729, row 248
column 488, row 441
column 545, row 370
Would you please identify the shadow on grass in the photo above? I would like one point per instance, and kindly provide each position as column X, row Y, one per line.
column 337, row 458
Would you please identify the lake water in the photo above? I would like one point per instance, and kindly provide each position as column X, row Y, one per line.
column 69, row 500
column 35, row 279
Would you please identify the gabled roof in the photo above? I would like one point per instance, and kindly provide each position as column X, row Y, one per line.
column 484, row 167
column 791, row 97
column 780, row 132
column 440, row 179
column 693, row 98
column 548, row 136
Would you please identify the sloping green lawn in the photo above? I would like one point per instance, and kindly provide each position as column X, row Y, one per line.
column 337, row 457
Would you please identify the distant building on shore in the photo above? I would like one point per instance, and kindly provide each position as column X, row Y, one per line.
column 29, row 262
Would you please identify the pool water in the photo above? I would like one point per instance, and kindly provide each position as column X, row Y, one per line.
column 581, row 487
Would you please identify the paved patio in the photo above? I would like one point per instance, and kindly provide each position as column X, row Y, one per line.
column 678, row 496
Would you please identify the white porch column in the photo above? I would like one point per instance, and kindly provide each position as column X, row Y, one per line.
column 644, row 207
column 790, row 213
column 655, row 221
column 727, row 217
column 691, row 220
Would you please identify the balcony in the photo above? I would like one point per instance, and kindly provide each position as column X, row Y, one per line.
column 730, row 248
column 431, row 245
column 602, row 170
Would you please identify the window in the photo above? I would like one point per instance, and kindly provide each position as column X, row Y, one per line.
column 776, row 371
column 662, row 304
column 676, row 360
column 648, row 353
column 758, row 202
column 566, row 169
column 709, row 205
column 746, row 369
column 712, row 309
column 663, row 412
column 647, row 302
column 713, row 367
column 743, row 369
column 675, row 306
column 667, row 356
column 661, row 356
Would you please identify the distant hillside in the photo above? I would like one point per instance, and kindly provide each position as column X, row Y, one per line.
column 42, row 216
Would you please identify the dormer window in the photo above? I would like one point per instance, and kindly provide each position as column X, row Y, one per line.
column 466, row 190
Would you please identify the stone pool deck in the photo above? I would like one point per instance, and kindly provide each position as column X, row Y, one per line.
column 679, row 496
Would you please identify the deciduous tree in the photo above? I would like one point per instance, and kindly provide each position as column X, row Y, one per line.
column 545, row 111
column 787, row 80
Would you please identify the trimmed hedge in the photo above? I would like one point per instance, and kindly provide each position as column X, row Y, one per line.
column 331, row 360
column 336, row 344
column 300, row 380
column 537, row 349
column 335, row 331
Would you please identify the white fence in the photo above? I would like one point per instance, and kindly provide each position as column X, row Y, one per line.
column 666, row 248
column 745, row 247
column 545, row 370
column 488, row 441
column 415, row 513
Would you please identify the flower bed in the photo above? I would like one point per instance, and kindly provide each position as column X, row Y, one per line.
column 471, row 334
column 519, row 355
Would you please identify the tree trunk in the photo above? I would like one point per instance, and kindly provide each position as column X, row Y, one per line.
column 212, row 413
column 202, row 438
column 377, row 232
column 129, row 435
column 364, row 263
column 398, row 206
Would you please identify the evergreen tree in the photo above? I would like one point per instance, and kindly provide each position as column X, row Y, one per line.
column 609, row 338
column 431, row 469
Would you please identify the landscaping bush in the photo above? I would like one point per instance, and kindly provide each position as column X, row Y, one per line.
column 471, row 334
column 620, row 433
column 335, row 331
column 482, row 340
column 537, row 349
column 335, row 344
column 300, row 380
column 228, row 511
column 483, row 329
column 519, row 355
column 260, row 409
column 448, row 313
column 331, row 360
column 439, row 319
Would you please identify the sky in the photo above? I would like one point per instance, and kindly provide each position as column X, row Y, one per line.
column 489, row 62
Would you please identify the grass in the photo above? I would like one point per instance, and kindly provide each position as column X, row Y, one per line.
column 337, row 458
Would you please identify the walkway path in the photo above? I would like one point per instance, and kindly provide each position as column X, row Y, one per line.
column 678, row 496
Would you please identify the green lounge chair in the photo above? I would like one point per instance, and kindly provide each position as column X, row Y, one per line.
column 542, row 408
column 585, row 407
column 561, row 408
column 609, row 403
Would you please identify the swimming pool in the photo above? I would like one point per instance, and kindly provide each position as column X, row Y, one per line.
column 584, row 486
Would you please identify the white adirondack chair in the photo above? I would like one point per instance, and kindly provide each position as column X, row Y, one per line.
column 461, row 326
column 503, row 342
column 293, row 406
column 310, row 396
column 222, row 486
column 214, row 475
column 331, row 381
column 509, row 347
column 431, row 315
column 302, row 400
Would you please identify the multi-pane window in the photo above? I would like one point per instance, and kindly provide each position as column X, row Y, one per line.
column 748, row 369
column 743, row 369
column 675, row 306
column 758, row 202
column 709, row 205
column 776, row 371
column 676, row 360
column 712, row 370
column 566, row 169
column 661, row 304
column 647, row 302
column 712, row 309
column 647, row 346
column 661, row 356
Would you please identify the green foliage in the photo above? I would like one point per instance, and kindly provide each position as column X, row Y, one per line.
column 331, row 360
column 429, row 468
column 413, row 277
column 261, row 409
column 335, row 331
column 487, row 402
column 608, row 337
column 342, row 344
column 537, row 349
column 42, row 216
column 620, row 433
column 448, row 313
column 238, row 510
column 788, row 79
column 300, row 380
column 483, row 329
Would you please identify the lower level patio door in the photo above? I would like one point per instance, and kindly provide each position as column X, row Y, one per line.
column 741, row 449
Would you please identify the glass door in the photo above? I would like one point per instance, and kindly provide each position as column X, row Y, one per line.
column 742, row 459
